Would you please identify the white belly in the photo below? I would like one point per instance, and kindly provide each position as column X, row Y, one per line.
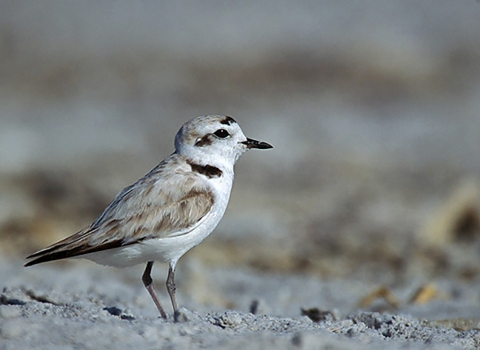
column 167, row 249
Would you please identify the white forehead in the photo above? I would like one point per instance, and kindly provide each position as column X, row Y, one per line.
column 202, row 125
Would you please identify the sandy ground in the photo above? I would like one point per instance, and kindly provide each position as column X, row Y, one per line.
column 84, row 306
column 365, row 215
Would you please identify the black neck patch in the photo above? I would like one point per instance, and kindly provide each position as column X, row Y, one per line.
column 207, row 170
column 228, row 120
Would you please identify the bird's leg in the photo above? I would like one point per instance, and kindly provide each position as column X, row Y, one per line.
column 171, row 291
column 148, row 283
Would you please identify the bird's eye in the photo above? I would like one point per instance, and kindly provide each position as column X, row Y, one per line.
column 222, row 133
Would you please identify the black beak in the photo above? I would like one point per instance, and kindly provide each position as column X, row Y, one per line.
column 256, row 144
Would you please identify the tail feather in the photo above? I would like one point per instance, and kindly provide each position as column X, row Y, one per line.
column 75, row 245
column 49, row 257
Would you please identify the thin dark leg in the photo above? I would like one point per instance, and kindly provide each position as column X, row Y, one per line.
column 148, row 282
column 171, row 291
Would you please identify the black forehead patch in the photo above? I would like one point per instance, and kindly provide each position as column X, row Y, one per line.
column 228, row 120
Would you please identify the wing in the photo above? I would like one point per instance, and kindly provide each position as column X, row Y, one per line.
column 161, row 204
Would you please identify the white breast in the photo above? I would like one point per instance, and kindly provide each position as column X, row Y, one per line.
column 170, row 249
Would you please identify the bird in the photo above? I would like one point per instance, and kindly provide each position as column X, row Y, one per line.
column 167, row 212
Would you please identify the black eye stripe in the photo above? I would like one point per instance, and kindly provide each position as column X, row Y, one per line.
column 222, row 133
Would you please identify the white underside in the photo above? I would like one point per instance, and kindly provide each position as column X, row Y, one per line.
column 168, row 249
column 163, row 249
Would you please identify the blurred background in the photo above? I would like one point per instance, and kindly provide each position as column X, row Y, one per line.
column 373, row 109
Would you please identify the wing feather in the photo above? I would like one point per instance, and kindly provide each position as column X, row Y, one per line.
column 159, row 205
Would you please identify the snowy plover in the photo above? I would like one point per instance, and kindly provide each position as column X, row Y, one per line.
column 168, row 211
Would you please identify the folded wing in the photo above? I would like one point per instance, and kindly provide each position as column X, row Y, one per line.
column 153, row 207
